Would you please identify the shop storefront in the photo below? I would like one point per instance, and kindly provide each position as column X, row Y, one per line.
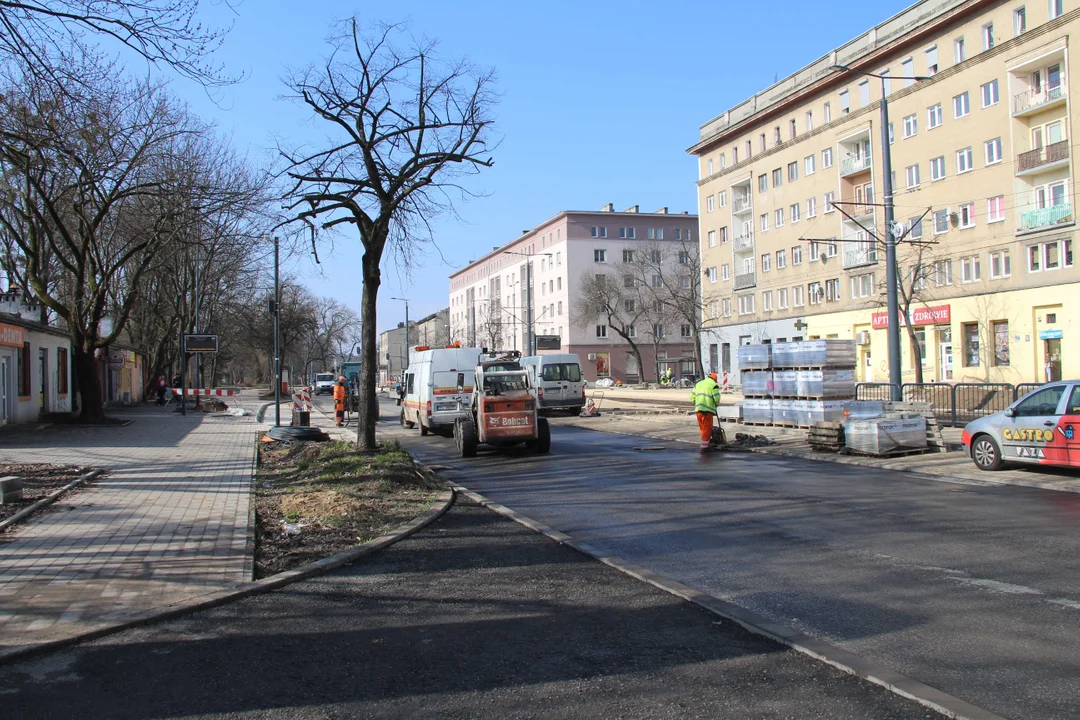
column 35, row 370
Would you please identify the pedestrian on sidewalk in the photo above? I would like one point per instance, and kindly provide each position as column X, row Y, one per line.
column 706, row 398
column 339, row 401
column 161, row 386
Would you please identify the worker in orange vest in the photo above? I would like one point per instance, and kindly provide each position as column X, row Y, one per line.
column 339, row 401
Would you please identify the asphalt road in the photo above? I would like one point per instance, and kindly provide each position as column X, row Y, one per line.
column 473, row 617
column 971, row 589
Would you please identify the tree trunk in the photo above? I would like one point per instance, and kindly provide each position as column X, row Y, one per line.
column 916, row 351
column 369, row 358
column 699, row 359
column 90, row 394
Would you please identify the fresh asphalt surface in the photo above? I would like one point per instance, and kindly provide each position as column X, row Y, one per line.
column 473, row 617
column 971, row 589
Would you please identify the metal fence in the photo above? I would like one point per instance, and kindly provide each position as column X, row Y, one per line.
column 952, row 404
column 874, row 391
column 975, row 400
column 938, row 395
column 1023, row 389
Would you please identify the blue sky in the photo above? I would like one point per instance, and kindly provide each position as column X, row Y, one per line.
column 599, row 103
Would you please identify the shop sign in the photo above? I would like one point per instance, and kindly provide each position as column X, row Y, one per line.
column 12, row 336
column 939, row 315
column 117, row 359
column 1049, row 334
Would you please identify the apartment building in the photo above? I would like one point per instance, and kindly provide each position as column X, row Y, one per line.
column 489, row 301
column 792, row 214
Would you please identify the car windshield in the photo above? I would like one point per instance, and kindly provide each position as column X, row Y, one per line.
column 324, row 378
column 570, row 372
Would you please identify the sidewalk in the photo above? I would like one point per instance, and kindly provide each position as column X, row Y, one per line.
column 169, row 522
column 955, row 465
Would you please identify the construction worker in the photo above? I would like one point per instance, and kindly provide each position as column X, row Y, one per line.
column 706, row 397
column 339, row 401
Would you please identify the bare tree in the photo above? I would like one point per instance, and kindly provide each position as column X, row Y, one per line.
column 614, row 301
column 489, row 332
column 404, row 127
column 671, row 274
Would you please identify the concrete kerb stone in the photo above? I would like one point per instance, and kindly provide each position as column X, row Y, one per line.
column 257, row 587
column 839, row 658
column 49, row 499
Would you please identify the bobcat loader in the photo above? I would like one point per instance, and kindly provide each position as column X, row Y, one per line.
column 503, row 410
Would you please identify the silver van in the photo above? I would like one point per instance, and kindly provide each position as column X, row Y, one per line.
column 558, row 382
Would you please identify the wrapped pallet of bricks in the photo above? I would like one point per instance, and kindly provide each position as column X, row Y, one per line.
column 812, row 411
column 783, row 413
column 785, row 382
column 826, row 383
column 754, row 357
column 864, row 409
column 884, row 436
column 757, row 383
column 757, row 410
column 784, row 354
column 822, row 353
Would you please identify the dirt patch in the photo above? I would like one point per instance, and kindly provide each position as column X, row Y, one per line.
column 313, row 500
column 39, row 480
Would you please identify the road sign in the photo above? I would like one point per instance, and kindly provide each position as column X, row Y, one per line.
column 117, row 360
column 200, row 343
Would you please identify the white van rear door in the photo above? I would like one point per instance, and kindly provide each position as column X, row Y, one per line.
column 451, row 391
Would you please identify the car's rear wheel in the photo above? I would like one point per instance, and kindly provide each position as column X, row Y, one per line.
column 465, row 437
column 423, row 429
column 405, row 423
column 986, row 454
column 543, row 436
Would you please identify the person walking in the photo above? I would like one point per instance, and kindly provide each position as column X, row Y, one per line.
column 161, row 386
column 339, row 401
column 706, row 398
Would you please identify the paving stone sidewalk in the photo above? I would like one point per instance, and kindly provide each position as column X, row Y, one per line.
column 168, row 523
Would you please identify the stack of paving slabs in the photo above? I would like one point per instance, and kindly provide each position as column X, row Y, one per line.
column 935, row 442
column 826, row 436
column 886, row 436
column 797, row 384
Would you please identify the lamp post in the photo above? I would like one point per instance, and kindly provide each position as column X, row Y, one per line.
column 406, row 301
column 893, row 332
column 530, row 339
column 277, row 335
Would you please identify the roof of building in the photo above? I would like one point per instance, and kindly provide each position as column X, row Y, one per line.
column 18, row 321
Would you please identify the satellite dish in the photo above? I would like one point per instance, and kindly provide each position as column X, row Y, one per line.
column 954, row 219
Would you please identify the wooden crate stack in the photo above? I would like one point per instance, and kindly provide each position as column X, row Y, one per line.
column 826, row 436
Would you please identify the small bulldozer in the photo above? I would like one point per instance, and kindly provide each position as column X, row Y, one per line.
column 503, row 410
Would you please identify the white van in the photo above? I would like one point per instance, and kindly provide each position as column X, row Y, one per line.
column 437, row 387
column 558, row 382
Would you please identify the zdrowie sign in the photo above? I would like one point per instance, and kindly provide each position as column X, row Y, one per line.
column 940, row 315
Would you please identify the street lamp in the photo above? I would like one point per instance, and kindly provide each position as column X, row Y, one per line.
column 406, row 301
column 893, row 332
column 530, row 340
column 277, row 341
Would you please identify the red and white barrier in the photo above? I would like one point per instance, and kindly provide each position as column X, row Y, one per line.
column 725, row 382
column 208, row 392
column 302, row 399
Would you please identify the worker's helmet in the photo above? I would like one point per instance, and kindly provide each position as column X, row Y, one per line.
column 712, row 375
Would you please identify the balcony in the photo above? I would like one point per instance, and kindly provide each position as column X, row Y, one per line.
column 1044, row 158
column 1032, row 101
column 852, row 165
column 745, row 280
column 743, row 243
column 860, row 256
column 741, row 205
column 1045, row 217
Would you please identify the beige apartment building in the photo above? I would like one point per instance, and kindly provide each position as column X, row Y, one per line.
column 790, row 197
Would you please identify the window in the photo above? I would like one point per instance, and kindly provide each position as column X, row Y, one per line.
column 809, row 124
column 656, row 256
column 970, row 269
column 941, row 221
column 811, row 207
column 560, row 307
column 734, row 156
column 864, row 93
column 967, row 215
column 1048, row 256
column 683, row 257
column 963, row 160
column 995, row 209
column 601, row 331
column 993, row 151
column 810, row 165
column 797, row 296
column 725, row 307
column 915, row 226
column 629, row 232
column 826, row 112
column 919, row 277
column 722, row 196
column 657, row 281
column 599, row 256
column 631, row 331
column 988, row 36
column 778, row 215
column 558, row 259
column 943, row 273
column 1055, row 8
column 628, row 256
column 937, row 168
column 62, row 370
column 558, row 283
column 777, row 177
column 710, row 170
column 762, row 183
column 746, row 304
column 766, row 301
column 792, row 131
column 627, row 282
column 725, row 272
column 832, row 290
column 796, row 255
column 1019, row 22
column 776, row 135
column 793, row 172
column 781, row 259
column 829, row 198
column 816, row 293
column 723, row 160
column 961, row 105
column 766, row 262
column 845, row 103
column 712, row 274
column 970, row 335
column 933, row 116
column 24, row 371
column 892, row 134
column 764, row 222
column 599, row 232
column 684, row 282
column 1000, row 265
column 863, row 286
column 826, row 158
column 911, row 172
column 907, row 69
column 781, row 299
column 712, row 238
column 723, row 235
column 795, row 213
column 931, row 60
column 990, row 94
column 1034, row 258
column 911, row 125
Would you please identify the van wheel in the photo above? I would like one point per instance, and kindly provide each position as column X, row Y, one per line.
column 986, row 453
column 465, row 437
column 405, row 423
column 423, row 429
column 543, row 436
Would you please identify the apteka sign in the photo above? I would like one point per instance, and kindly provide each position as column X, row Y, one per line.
column 940, row 315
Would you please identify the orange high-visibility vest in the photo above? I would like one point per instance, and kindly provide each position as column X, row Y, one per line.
column 339, row 393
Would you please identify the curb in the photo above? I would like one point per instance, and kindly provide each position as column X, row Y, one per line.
column 838, row 658
column 257, row 587
column 49, row 499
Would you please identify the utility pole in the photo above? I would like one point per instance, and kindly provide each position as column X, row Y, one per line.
column 891, row 280
column 277, row 336
column 406, row 300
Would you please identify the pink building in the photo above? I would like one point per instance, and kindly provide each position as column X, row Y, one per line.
column 490, row 304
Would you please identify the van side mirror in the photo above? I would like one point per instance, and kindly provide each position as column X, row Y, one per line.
column 1010, row 412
